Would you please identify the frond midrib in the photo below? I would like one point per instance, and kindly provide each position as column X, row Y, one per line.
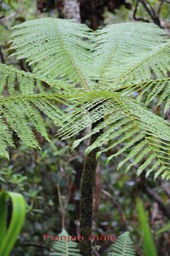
column 80, row 75
column 107, row 64
column 151, row 55
column 124, row 246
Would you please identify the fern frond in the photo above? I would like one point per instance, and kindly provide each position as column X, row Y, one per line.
column 127, row 53
column 124, row 121
column 149, row 90
column 22, row 104
column 64, row 247
column 5, row 139
column 56, row 48
column 123, row 246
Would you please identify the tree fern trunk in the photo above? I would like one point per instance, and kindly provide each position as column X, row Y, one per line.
column 86, row 203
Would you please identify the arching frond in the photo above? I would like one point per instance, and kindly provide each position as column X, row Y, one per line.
column 127, row 53
column 123, row 246
column 56, row 48
column 64, row 247
column 23, row 101
column 123, row 121
column 149, row 90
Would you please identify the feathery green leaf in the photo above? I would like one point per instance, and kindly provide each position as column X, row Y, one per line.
column 22, row 104
column 56, row 48
column 123, row 246
column 64, row 246
column 122, row 120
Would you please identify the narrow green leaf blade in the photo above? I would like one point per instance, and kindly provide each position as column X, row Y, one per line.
column 17, row 221
column 148, row 242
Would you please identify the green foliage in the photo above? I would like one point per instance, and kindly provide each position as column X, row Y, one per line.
column 153, row 89
column 23, row 100
column 166, row 228
column 124, row 121
column 8, row 236
column 56, row 49
column 123, row 246
column 64, row 247
column 87, row 69
column 126, row 57
column 148, row 242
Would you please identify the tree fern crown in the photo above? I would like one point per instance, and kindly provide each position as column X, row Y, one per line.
column 94, row 74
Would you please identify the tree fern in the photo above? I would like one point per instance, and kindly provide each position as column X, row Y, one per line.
column 93, row 73
column 91, row 67
column 123, row 246
column 64, row 247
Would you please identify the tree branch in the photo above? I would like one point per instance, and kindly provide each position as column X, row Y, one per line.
column 123, row 217
column 2, row 56
column 135, row 13
column 151, row 194
column 149, row 9
column 36, row 245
